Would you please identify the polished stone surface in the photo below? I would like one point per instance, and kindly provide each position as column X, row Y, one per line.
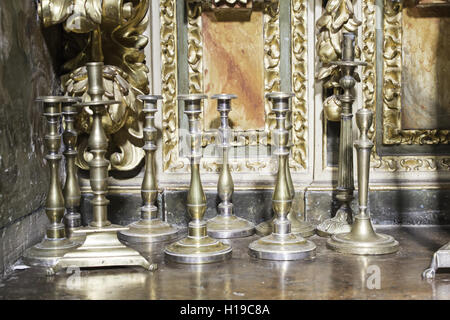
column 233, row 55
column 330, row 276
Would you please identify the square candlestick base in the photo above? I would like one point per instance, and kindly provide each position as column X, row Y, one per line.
column 441, row 259
column 102, row 248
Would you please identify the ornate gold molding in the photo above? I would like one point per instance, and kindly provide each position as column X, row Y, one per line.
column 392, row 86
column 387, row 163
column 109, row 31
column 171, row 158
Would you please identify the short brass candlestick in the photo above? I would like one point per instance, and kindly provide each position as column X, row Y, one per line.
column 55, row 243
column 71, row 190
column 101, row 247
column 301, row 227
column 197, row 247
column 149, row 228
column 341, row 222
column 282, row 244
column 362, row 239
column 226, row 225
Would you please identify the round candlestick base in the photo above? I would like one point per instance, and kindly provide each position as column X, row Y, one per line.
column 298, row 227
column 282, row 248
column 227, row 227
column 198, row 250
column 48, row 252
column 149, row 231
column 363, row 240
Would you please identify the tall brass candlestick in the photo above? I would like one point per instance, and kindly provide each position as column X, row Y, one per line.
column 101, row 247
column 282, row 244
column 198, row 247
column 301, row 227
column 55, row 243
column 341, row 222
column 71, row 190
column 226, row 225
column 149, row 228
column 362, row 239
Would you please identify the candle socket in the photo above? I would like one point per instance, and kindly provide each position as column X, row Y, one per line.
column 282, row 244
column 101, row 247
column 55, row 244
column 149, row 228
column 197, row 247
column 362, row 239
column 226, row 225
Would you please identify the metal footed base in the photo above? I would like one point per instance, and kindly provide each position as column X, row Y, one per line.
column 347, row 243
column 336, row 225
column 298, row 227
column 48, row 252
column 198, row 250
column 441, row 259
column 149, row 231
column 102, row 248
column 363, row 240
column 226, row 227
column 282, row 248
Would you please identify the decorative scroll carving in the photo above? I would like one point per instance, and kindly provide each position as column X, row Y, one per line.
column 299, row 81
column 392, row 70
column 338, row 17
column 387, row 163
column 110, row 31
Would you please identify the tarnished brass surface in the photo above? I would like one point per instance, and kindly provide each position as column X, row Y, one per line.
column 110, row 31
column 149, row 228
column 71, row 190
column 101, row 246
column 441, row 260
column 362, row 239
column 198, row 247
column 226, row 224
column 341, row 222
column 301, row 227
column 282, row 244
column 55, row 243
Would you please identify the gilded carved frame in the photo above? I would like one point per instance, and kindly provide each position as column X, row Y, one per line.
column 390, row 103
column 170, row 150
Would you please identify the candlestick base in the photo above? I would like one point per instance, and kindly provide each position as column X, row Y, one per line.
column 298, row 227
column 149, row 231
column 336, row 225
column 282, row 248
column 229, row 226
column 101, row 248
column 48, row 252
column 441, row 259
column 198, row 250
column 363, row 240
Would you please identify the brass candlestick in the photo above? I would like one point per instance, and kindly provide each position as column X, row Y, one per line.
column 101, row 247
column 362, row 239
column 282, row 244
column 71, row 190
column 341, row 222
column 301, row 227
column 197, row 247
column 226, row 225
column 149, row 228
column 55, row 243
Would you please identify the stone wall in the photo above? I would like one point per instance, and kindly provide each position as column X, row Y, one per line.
column 27, row 57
